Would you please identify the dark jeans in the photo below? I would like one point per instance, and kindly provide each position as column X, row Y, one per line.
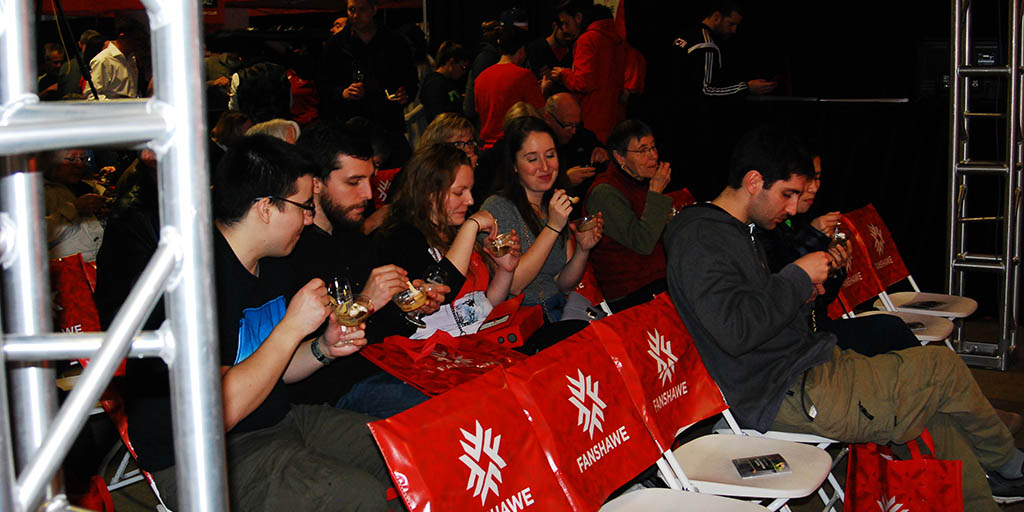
column 381, row 395
column 871, row 335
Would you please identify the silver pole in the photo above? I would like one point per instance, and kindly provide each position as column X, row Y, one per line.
column 185, row 206
column 124, row 130
column 954, row 143
column 6, row 452
column 75, row 346
column 74, row 413
column 1013, row 139
column 27, row 294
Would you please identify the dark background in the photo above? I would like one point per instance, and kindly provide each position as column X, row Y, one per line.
column 895, row 156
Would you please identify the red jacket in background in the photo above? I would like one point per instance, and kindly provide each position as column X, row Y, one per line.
column 496, row 89
column 598, row 77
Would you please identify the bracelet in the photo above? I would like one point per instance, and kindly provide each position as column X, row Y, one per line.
column 315, row 349
column 552, row 229
column 478, row 227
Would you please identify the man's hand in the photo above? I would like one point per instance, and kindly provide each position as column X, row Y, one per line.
column 400, row 96
column 661, row 177
column 383, row 283
column 759, row 87
column 827, row 223
column 376, row 219
column 90, row 204
column 340, row 341
column 435, row 295
column 308, row 307
column 556, row 74
column 840, row 255
column 816, row 265
column 579, row 174
column 599, row 155
column 354, row 91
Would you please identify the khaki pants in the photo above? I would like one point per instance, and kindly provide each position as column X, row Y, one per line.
column 317, row 458
column 891, row 398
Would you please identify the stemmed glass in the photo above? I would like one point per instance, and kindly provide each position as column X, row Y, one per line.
column 348, row 310
column 412, row 299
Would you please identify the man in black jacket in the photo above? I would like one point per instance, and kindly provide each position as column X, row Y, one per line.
column 368, row 71
column 750, row 327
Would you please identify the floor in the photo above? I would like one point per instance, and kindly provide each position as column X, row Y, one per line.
column 1004, row 389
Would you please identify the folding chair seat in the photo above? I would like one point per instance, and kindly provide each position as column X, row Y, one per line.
column 670, row 500
column 863, row 284
column 669, row 384
column 890, row 269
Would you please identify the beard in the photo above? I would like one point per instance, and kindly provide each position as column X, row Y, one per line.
column 339, row 216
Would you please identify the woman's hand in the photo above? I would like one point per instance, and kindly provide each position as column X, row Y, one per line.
column 588, row 239
column 559, row 209
column 510, row 260
column 485, row 223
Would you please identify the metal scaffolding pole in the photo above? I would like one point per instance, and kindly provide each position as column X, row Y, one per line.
column 173, row 125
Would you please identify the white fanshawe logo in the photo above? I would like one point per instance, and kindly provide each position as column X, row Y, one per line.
column 590, row 417
column 382, row 190
column 482, row 443
column 876, row 235
column 890, row 505
column 661, row 351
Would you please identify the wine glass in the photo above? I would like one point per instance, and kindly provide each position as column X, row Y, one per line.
column 340, row 290
column 354, row 312
column 412, row 299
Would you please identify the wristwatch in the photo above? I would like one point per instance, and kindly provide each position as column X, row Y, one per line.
column 315, row 349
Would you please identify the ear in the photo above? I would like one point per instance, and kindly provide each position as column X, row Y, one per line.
column 263, row 209
column 753, row 182
column 579, row 17
column 317, row 186
column 619, row 159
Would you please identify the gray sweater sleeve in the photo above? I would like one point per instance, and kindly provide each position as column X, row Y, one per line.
column 622, row 225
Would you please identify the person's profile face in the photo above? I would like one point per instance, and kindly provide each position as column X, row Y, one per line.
column 811, row 188
column 54, row 60
column 641, row 157
column 459, row 196
column 289, row 219
column 346, row 193
column 568, row 28
column 727, row 26
column 773, row 204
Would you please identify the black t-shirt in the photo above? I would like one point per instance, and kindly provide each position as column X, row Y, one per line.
column 405, row 246
column 248, row 309
column 439, row 94
column 540, row 55
column 346, row 253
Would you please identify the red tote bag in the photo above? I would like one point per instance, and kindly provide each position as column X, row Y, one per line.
column 876, row 480
column 472, row 449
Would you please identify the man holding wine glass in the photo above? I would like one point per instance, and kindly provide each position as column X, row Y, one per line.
column 262, row 199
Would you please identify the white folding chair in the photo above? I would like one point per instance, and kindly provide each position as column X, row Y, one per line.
column 669, row 500
column 890, row 269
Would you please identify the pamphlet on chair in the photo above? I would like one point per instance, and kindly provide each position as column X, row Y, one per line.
column 762, row 465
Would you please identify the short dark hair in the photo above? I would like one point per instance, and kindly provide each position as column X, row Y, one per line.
column 625, row 131
column 512, row 39
column 255, row 167
column 323, row 142
column 451, row 50
column 723, row 7
column 771, row 151
column 129, row 27
column 572, row 7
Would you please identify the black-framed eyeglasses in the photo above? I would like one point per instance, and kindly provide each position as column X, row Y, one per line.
column 464, row 144
column 309, row 206
column 646, row 150
column 564, row 125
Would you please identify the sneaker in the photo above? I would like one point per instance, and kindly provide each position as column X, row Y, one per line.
column 1004, row 490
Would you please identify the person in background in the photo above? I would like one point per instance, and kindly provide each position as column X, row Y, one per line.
column 283, row 129
column 115, row 70
column 504, row 84
column 630, row 264
column 72, row 225
column 555, row 50
column 231, row 126
column 441, row 90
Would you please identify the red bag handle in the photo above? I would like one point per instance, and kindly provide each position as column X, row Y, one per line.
column 915, row 450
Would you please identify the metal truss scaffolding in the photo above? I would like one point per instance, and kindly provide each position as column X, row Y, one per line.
column 993, row 179
column 34, row 434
